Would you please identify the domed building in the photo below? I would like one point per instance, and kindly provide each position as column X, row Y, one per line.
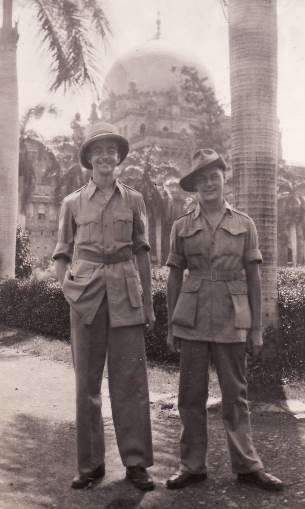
column 142, row 97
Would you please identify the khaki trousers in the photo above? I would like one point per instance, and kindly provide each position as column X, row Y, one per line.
column 230, row 363
column 128, row 388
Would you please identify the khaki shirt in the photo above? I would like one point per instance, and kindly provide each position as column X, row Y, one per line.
column 89, row 228
column 213, row 303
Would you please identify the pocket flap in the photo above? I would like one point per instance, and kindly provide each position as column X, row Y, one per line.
column 191, row 285
column 82, row 268
column 125, row 216
column 88, row 218
column 234, row 229
column 237, row 287
column 189, row 232
column 134, row 292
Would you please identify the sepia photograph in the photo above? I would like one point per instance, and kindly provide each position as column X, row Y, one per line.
column 152, row 254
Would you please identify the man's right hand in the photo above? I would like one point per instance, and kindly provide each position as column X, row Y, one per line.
column 61, row 267
column 173, row 343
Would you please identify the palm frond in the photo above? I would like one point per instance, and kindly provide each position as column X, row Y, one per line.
column 48, row 16
column 98, row 16
column 66, row 29
column 35, row 112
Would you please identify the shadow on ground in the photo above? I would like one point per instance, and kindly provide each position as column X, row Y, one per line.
column 12, row 337
column 37, row 464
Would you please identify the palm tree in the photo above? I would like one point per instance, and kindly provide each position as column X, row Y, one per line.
column 145, row 170
column 291, row 214
column 67, row 29
column 28, row 136
column 253, row 68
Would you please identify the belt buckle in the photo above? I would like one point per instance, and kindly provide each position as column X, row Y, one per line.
column 213, row 275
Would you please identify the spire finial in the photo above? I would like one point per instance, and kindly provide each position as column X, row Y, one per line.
column 158, row 34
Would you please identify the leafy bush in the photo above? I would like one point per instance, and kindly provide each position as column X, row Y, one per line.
column 283, row 359
column 24, row 259
column 36, row 305
column 40, row 306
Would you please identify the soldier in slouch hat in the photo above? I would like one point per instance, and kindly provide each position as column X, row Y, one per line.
column 214, row 313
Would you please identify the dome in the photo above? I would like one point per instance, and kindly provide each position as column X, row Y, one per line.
column 150, row 68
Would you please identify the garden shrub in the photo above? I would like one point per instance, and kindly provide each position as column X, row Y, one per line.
column 23, row 259
column 41, row 307
column 36, row 305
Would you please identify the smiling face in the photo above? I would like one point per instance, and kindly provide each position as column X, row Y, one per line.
column 104, row 156
column 210, row 184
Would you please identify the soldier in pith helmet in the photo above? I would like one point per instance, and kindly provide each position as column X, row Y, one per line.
column 102, row 228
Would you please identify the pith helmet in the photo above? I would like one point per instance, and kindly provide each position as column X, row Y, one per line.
column 202, row 159
column 101, row 131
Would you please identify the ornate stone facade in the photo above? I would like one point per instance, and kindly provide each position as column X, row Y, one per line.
column 142, row 97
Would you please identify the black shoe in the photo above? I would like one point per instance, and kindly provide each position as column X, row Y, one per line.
column 82, row 481
column 262, row 480
column 140, row 478
column 182, row 479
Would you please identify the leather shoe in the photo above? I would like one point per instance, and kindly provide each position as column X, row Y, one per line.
column 82, row 481
column 262, row 479
column 183, row 479
column 140, row 478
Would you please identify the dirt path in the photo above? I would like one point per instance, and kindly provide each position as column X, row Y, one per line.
column 38, row 450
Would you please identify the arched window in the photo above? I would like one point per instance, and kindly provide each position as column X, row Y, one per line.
column 165, row 129
column 41, row 212
column 142, row 129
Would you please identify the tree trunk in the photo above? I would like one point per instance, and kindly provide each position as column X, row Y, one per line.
column 9, row 145
column 300, row 244
column 293, row 243
column 253, row 67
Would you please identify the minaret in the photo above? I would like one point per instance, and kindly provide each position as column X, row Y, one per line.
column 158, row 33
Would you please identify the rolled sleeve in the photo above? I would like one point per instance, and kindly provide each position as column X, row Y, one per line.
column 139, row 235
column 67, row 226
column 176, row 256
column 252, row 251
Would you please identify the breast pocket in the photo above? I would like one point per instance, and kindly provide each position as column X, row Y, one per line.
column 88, row 228
column 193, row 241
column 233, row 239
column 122, row 226
column 185, row 312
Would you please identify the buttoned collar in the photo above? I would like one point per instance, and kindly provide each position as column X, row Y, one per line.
column 92, row 187
column 226, row 207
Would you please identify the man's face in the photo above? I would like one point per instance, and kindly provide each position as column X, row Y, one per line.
column 104, row 156
column 210, row 184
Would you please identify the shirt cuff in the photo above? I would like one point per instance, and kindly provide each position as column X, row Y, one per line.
column 253, row 255
column 140, row 245
column 62, row 251
column 176, row 260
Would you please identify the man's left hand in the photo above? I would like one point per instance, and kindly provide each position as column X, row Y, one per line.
column 255, row 341
column 149, row 316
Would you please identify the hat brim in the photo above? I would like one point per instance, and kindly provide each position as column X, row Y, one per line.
column 123, row 147
column 188, row 183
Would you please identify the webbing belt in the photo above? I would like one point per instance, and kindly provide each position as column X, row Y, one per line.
column 107, row 259
column 219, row 275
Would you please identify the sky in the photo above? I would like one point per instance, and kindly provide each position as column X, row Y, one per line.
column 198, row 26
